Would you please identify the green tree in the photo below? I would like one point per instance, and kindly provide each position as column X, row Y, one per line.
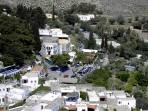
column 83, row 95
column 120, row 20
column 112, row 21
column 85, row 26
column 7, row 60
column 81, row 57
column 71, row 19
column 101, row 80
column 123, row 76
column 91, row 42
column 16, row 40
column 60, row 60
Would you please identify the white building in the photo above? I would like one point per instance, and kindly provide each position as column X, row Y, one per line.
column 4, row 88
column 51, row 101
column 93, row 97
column 49, row 49
column 49, row 16
column 89, row 51
column 67, row 90
column 72, row 56
column 44, row 32
column 3, row 97
column 86, row 17
column 118, row 99
column 31, row 80
column 51, row 96
column 18, row 94
column 113, row 43
column 54, row 41
column 83, row 106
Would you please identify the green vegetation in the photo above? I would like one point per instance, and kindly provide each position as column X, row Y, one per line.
column 19, row 37
column 91, row 42
column 141, row 99
column 60, row 60
column 35, row 18
column 120, row 20
column 83, row 95
column 20, row 103
column 16, row 41
column 41, row 81
column 83, row 8
column 99, row 77
column 40, row 90
column 71, row 19
column 112, row 21
column 81, row 57
column 123, row 76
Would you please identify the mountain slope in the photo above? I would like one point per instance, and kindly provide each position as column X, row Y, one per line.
column 110, row 7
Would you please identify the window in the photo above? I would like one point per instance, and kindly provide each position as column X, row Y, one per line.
column 83, row 109
column 8, row 89
column 3, row 100
column 25, row 81
column 34, row 81
column 3, row 89
column 42, row 107
column 31, row 81
column 119, row 102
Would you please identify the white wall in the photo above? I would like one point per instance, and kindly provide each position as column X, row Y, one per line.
column 2, row 100
column 82, row 107
column 32, row 81
column 86, row 17
column 55, row 32
column 18, row 94
column 5, row 88
column 53, row 48
column 131, row 103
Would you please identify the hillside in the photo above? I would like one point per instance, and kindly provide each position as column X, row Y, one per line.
column 110, row 7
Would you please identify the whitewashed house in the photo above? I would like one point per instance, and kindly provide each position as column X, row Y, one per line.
column 18, row 94
column 54, row 42
column 3, row 97
column 67, row 90
column 113, row 43
column 119, row 99
column 83, row 106
column 89, row 51
column 51, row 101
column 4, row 88
column 49, row 16
column 86, row 17
column 31, row 80
column 49, row 49
column 44, row 32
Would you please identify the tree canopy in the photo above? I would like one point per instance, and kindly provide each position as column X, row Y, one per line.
column 99, row 77
column 16, row 40
column 60, row 60
column 91, row 42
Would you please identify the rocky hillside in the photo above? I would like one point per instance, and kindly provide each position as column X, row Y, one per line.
column 110, row 7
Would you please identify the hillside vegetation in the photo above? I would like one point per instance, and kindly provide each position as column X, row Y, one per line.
column 110, row 7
